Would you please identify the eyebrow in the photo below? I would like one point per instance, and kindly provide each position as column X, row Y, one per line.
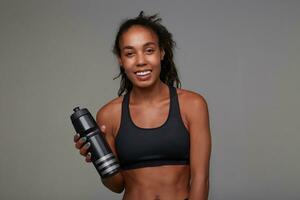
column 147, row 44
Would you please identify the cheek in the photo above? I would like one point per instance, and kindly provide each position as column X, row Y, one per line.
column 155, row 60
column 157, row 65
column 127, row 65
column 128, row 70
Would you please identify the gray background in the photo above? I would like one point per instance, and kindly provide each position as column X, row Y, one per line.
column 242, row 56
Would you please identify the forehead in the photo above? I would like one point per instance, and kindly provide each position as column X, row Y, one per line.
column 137, row 36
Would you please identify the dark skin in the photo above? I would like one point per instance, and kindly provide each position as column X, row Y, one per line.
column 149, row 106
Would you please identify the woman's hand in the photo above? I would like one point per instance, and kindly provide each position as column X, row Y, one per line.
column 83, row 146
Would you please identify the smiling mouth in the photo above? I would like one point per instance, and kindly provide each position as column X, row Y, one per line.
column 143, row 73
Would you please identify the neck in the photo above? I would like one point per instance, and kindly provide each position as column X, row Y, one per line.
column 151, row 94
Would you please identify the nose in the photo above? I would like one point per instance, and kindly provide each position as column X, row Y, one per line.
column 140, row 60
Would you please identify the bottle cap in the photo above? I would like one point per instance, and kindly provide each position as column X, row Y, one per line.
column 78, row 113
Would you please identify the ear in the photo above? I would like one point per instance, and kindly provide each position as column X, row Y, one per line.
column 162, row 54
column 120, row 61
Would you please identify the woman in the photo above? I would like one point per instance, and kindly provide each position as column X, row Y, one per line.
column 159, row 133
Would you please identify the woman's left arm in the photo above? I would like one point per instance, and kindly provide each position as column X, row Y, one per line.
column 200, row 146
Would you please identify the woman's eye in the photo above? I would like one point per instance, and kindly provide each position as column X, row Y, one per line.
column 149, row 51
column 129, row 54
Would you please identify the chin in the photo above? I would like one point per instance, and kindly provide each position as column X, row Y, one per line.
column 143, row 85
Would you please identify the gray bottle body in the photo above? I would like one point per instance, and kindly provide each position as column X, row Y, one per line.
column 102, row 156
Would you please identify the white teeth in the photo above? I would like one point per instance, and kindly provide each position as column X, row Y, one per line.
column 143, row 73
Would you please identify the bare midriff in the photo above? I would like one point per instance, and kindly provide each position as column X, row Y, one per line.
column 168, row 182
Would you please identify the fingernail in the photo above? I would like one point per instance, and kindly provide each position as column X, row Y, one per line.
column 83, row 139
column 87, row 145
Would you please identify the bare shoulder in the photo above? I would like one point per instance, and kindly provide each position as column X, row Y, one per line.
column 192, row 106
column 110, row 114
column 191, row 98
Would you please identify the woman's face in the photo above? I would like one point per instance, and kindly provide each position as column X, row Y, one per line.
column 140, row 56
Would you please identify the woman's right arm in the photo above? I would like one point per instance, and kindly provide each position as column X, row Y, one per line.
column 104, row 120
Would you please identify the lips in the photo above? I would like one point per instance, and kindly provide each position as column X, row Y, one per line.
column 143, row 72
column 143, row 75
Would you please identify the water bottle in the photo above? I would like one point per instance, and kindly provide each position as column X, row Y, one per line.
column 101, row 154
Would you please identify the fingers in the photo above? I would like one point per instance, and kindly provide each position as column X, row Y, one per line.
column 76, row 137
column 80, row 142
column 83, row 146
column 84, row 150
column 88, row 157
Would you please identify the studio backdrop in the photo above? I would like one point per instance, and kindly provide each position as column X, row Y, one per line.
column 242, row 56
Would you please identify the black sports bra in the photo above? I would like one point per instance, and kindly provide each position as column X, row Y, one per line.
column 145, row 147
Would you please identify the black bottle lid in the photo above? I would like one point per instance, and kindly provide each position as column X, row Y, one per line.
column 78, row 113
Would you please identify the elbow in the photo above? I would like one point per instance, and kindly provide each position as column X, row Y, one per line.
column 115, row 189
column 118, row 190
column 114, row 183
